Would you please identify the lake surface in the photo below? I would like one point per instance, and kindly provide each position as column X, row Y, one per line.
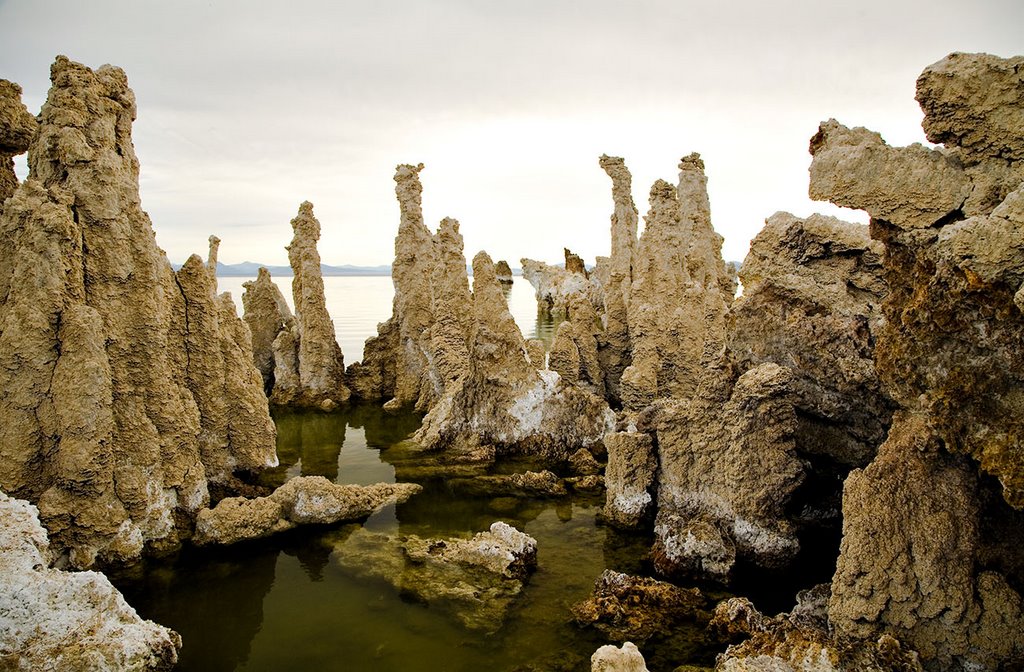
column 357, row 303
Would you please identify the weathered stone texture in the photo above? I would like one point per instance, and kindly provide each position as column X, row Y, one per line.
column 16, row 128
column 319, row 379
column 109, row 422
column 53, row 620
column 267, row 314
column 610, row 658
column 629, row 478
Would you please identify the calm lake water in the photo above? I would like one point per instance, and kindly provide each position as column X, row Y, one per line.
column 290, row 603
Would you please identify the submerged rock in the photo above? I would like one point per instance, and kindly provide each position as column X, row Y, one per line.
column 625, row 607
column 476, row 579
column 126, row 388
column 917, row 522
column 309, row 368
column 300, row 501
column 16, row 128
column 526, row 484
column 626, row 658
column 55, row 620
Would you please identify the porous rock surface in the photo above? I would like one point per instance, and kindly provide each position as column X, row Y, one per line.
column 476, row 580
column 680, row 290
column 125, row 389
column 624, row 607
column 309, row 368
column 629, row 479
column 300, row 501
column 503, row 271
column 610, row 658
column 267, row 314
column 915, row 521
column 54, row 620
column 16, row 129
column 812, row 301
column 800, row 641
column 728, row 467
column 555, row 286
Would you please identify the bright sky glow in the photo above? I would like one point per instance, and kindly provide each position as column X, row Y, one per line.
column 248, row 108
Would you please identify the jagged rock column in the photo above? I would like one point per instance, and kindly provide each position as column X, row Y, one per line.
column 267, row 314
column 102, row 426
column 308, row 363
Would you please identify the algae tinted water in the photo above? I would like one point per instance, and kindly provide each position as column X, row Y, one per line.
column 286, row 603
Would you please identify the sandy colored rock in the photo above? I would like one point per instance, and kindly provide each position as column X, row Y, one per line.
column 801, row 642
column 55, row 620
column 907, row 562
column 812, row 301
column 616, row 351
column 728, row 466
column 16, row 128
column 919, row 523
column 975, row 102
column 501, row 399
column 610, row 658
column 311, row 345
column 537, row 353
column 475, row 580
column 503, row 271
column 629, row 478
column 107, row 426
column 300, row 501
column 680, row 292
column 624, row 607
column 527, row 484
column 267, row 314
column 556, row 286
column 582, row 463
column 912, row 187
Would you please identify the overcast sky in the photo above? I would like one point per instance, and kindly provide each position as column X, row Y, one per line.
column 248, row 108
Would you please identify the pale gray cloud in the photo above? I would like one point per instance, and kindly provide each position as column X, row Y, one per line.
column 248, row 108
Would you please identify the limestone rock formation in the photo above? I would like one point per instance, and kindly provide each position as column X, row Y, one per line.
column 728, row 467
column 476, row 579
column 616, row 350
column 680, row 292
column 267, row 314
column 503, row 271
column 300, row 501
column 812, row 297
column 309, row 368
column 124, row 388
column 556, row 286
column 626, row 658
column 55, row 620
column 629, row 478
column 949, row 354
column 16, row 129
column 801, row 642
column 624, row 607
column 500, row 399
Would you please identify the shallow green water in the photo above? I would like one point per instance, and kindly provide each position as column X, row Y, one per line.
column 285, row 603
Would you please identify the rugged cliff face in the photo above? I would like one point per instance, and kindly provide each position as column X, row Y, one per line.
column 267, row 314
column 309, row 368
column 949, row 354
column 124, row 388
column 16, row 129
column 556, row 287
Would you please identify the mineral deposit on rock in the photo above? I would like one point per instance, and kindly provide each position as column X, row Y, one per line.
column 626, row 658
column 124, row 388
column 53, row 620
column 629, row 477
column 309, row 369
column 918, row 522
column 728, row 466
column 504, row 272
column 300, row 501
column 556, row 286
column 16, row 129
